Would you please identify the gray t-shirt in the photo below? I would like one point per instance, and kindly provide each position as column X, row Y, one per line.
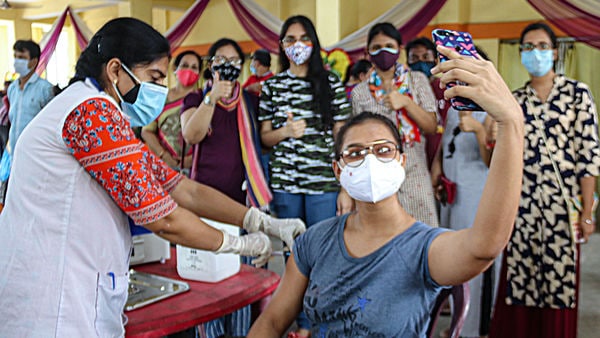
column 388, row 293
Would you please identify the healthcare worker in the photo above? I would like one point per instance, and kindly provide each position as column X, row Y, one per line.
column 78, row 172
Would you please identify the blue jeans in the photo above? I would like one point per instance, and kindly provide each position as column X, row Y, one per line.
column 311, row 209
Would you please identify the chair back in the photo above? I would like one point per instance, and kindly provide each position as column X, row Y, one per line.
column 460, row 306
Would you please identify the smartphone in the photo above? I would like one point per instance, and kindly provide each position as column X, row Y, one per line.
column 462, row 42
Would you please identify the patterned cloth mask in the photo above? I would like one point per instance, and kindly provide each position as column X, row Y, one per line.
column 298, row 53
column 227, row 71
column 373, row 180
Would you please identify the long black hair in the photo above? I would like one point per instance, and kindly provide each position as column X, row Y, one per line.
column 132, row 41
column 317, row 75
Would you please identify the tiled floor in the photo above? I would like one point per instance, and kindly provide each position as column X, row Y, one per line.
column 589, row 304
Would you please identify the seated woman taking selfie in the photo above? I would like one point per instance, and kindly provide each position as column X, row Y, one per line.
column 351, row 272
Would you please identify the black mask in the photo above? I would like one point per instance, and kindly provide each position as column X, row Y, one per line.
column 227, row 71
column 132, row 94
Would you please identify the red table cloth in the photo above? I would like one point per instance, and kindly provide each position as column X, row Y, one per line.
column 203, row 302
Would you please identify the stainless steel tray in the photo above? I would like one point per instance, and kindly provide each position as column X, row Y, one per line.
column 145, row 288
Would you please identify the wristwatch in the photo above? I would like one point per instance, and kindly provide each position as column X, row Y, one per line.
column 207, row 101
column 588, row 221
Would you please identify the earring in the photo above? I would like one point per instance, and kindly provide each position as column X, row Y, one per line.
column 115, row 81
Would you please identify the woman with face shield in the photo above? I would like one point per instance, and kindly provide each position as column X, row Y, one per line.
column 352, row 272
column 163, row 135
column 80, row 172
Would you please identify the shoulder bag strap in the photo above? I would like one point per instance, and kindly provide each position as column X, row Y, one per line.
column 559, row 178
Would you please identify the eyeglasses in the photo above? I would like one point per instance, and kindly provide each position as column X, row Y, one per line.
column 290, row 40
column 531, row 46
column 219, row 60
column 384, row 150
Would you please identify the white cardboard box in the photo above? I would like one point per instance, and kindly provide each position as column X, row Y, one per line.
column 206, row 266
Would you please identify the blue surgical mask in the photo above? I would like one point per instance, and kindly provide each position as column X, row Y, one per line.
column 538, row 62
column 252, row 69
column 423, row 66
column 21, row 67
column 144, row 102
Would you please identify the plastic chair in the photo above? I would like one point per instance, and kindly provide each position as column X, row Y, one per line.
column 460, row 306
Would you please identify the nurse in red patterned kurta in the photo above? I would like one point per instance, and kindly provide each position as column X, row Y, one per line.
column 79, row 172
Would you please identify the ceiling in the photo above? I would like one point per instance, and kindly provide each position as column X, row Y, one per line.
column 42, row 10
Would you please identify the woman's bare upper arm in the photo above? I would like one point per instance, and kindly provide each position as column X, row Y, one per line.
column 287, row 301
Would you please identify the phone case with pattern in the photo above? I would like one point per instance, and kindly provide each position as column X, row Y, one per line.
column 462, row 42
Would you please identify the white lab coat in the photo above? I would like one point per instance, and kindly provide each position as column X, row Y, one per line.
column 62, row 237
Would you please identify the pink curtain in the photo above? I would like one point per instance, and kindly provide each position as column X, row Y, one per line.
column 265, row 36
column 259, row 24
column 264, row 28
column 177, row 34
column 48, row 43
column 82, row 33
column 410, row 29
column 573, row 18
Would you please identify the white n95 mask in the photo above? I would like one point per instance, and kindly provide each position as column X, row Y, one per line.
column 373, row 180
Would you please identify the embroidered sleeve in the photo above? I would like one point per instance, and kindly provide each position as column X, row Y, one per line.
column 422, row 92
column 167, row 177
column 102, row 141
column 586, row 133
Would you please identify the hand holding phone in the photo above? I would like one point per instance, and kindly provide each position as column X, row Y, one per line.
column 462, row 42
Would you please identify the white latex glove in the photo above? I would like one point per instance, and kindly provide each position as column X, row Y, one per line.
column 286, row 228
column 254, row 244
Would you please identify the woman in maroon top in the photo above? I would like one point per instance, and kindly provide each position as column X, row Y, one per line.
column 210, row 122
